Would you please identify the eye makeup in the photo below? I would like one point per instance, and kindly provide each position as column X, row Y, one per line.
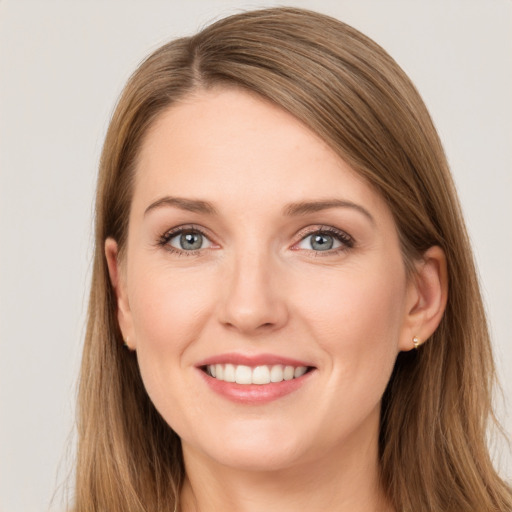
column 191, row 240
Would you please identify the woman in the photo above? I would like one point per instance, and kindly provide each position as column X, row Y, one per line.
column 284, row 311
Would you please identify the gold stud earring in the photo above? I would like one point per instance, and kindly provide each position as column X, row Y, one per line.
column 125, row 342
column 416, row 342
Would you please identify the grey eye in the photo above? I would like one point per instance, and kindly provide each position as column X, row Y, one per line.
column 319, row 242
column 189, row 241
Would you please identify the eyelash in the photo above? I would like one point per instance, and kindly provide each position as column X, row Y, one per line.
column 164, row 240
column 347, row 242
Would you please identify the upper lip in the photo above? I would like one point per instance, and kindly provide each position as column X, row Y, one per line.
column 252, row 360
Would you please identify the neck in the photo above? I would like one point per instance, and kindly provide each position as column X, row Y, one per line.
column 344, row 480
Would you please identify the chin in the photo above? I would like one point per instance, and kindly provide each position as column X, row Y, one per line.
column 254, row 459
column 259, row 450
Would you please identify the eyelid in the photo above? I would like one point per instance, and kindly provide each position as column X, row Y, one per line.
column 346, row 240
column 163, row 240
column 179, row 234
column 182, row 228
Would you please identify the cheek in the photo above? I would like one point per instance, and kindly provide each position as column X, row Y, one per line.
column 357, row 319
column 167, row 307
column 169, row 311
column 356, row 322
column 351, row 304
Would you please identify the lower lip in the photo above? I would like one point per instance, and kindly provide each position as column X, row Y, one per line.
column 255, row 393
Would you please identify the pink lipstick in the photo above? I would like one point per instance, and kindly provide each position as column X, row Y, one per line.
column 255, row 378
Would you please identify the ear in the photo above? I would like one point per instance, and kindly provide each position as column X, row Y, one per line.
column 118, row 279
column 426, row 298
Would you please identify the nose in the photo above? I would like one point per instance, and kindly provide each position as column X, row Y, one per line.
column 253, row 298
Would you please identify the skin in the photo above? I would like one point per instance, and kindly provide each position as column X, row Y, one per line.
column 257, row 286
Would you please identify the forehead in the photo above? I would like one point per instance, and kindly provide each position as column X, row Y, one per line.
column 231, row 147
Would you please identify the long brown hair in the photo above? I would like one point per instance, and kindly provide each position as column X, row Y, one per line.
column 436, row 408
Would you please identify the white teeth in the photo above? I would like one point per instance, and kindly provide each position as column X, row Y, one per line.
column 261, row 375
column 242, row 374
column 288, row 372
column 229, row 373
column 276, row 373
column 299, row 372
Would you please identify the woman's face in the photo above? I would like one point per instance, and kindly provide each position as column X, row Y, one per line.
column 256, row 254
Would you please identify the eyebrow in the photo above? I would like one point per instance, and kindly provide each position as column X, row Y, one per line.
column 307, row 207
column 292, row 209
column 189, row 205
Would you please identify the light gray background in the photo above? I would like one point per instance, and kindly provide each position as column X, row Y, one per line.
column 62, row 66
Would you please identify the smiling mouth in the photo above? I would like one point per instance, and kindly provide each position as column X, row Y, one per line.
column 264, row 374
